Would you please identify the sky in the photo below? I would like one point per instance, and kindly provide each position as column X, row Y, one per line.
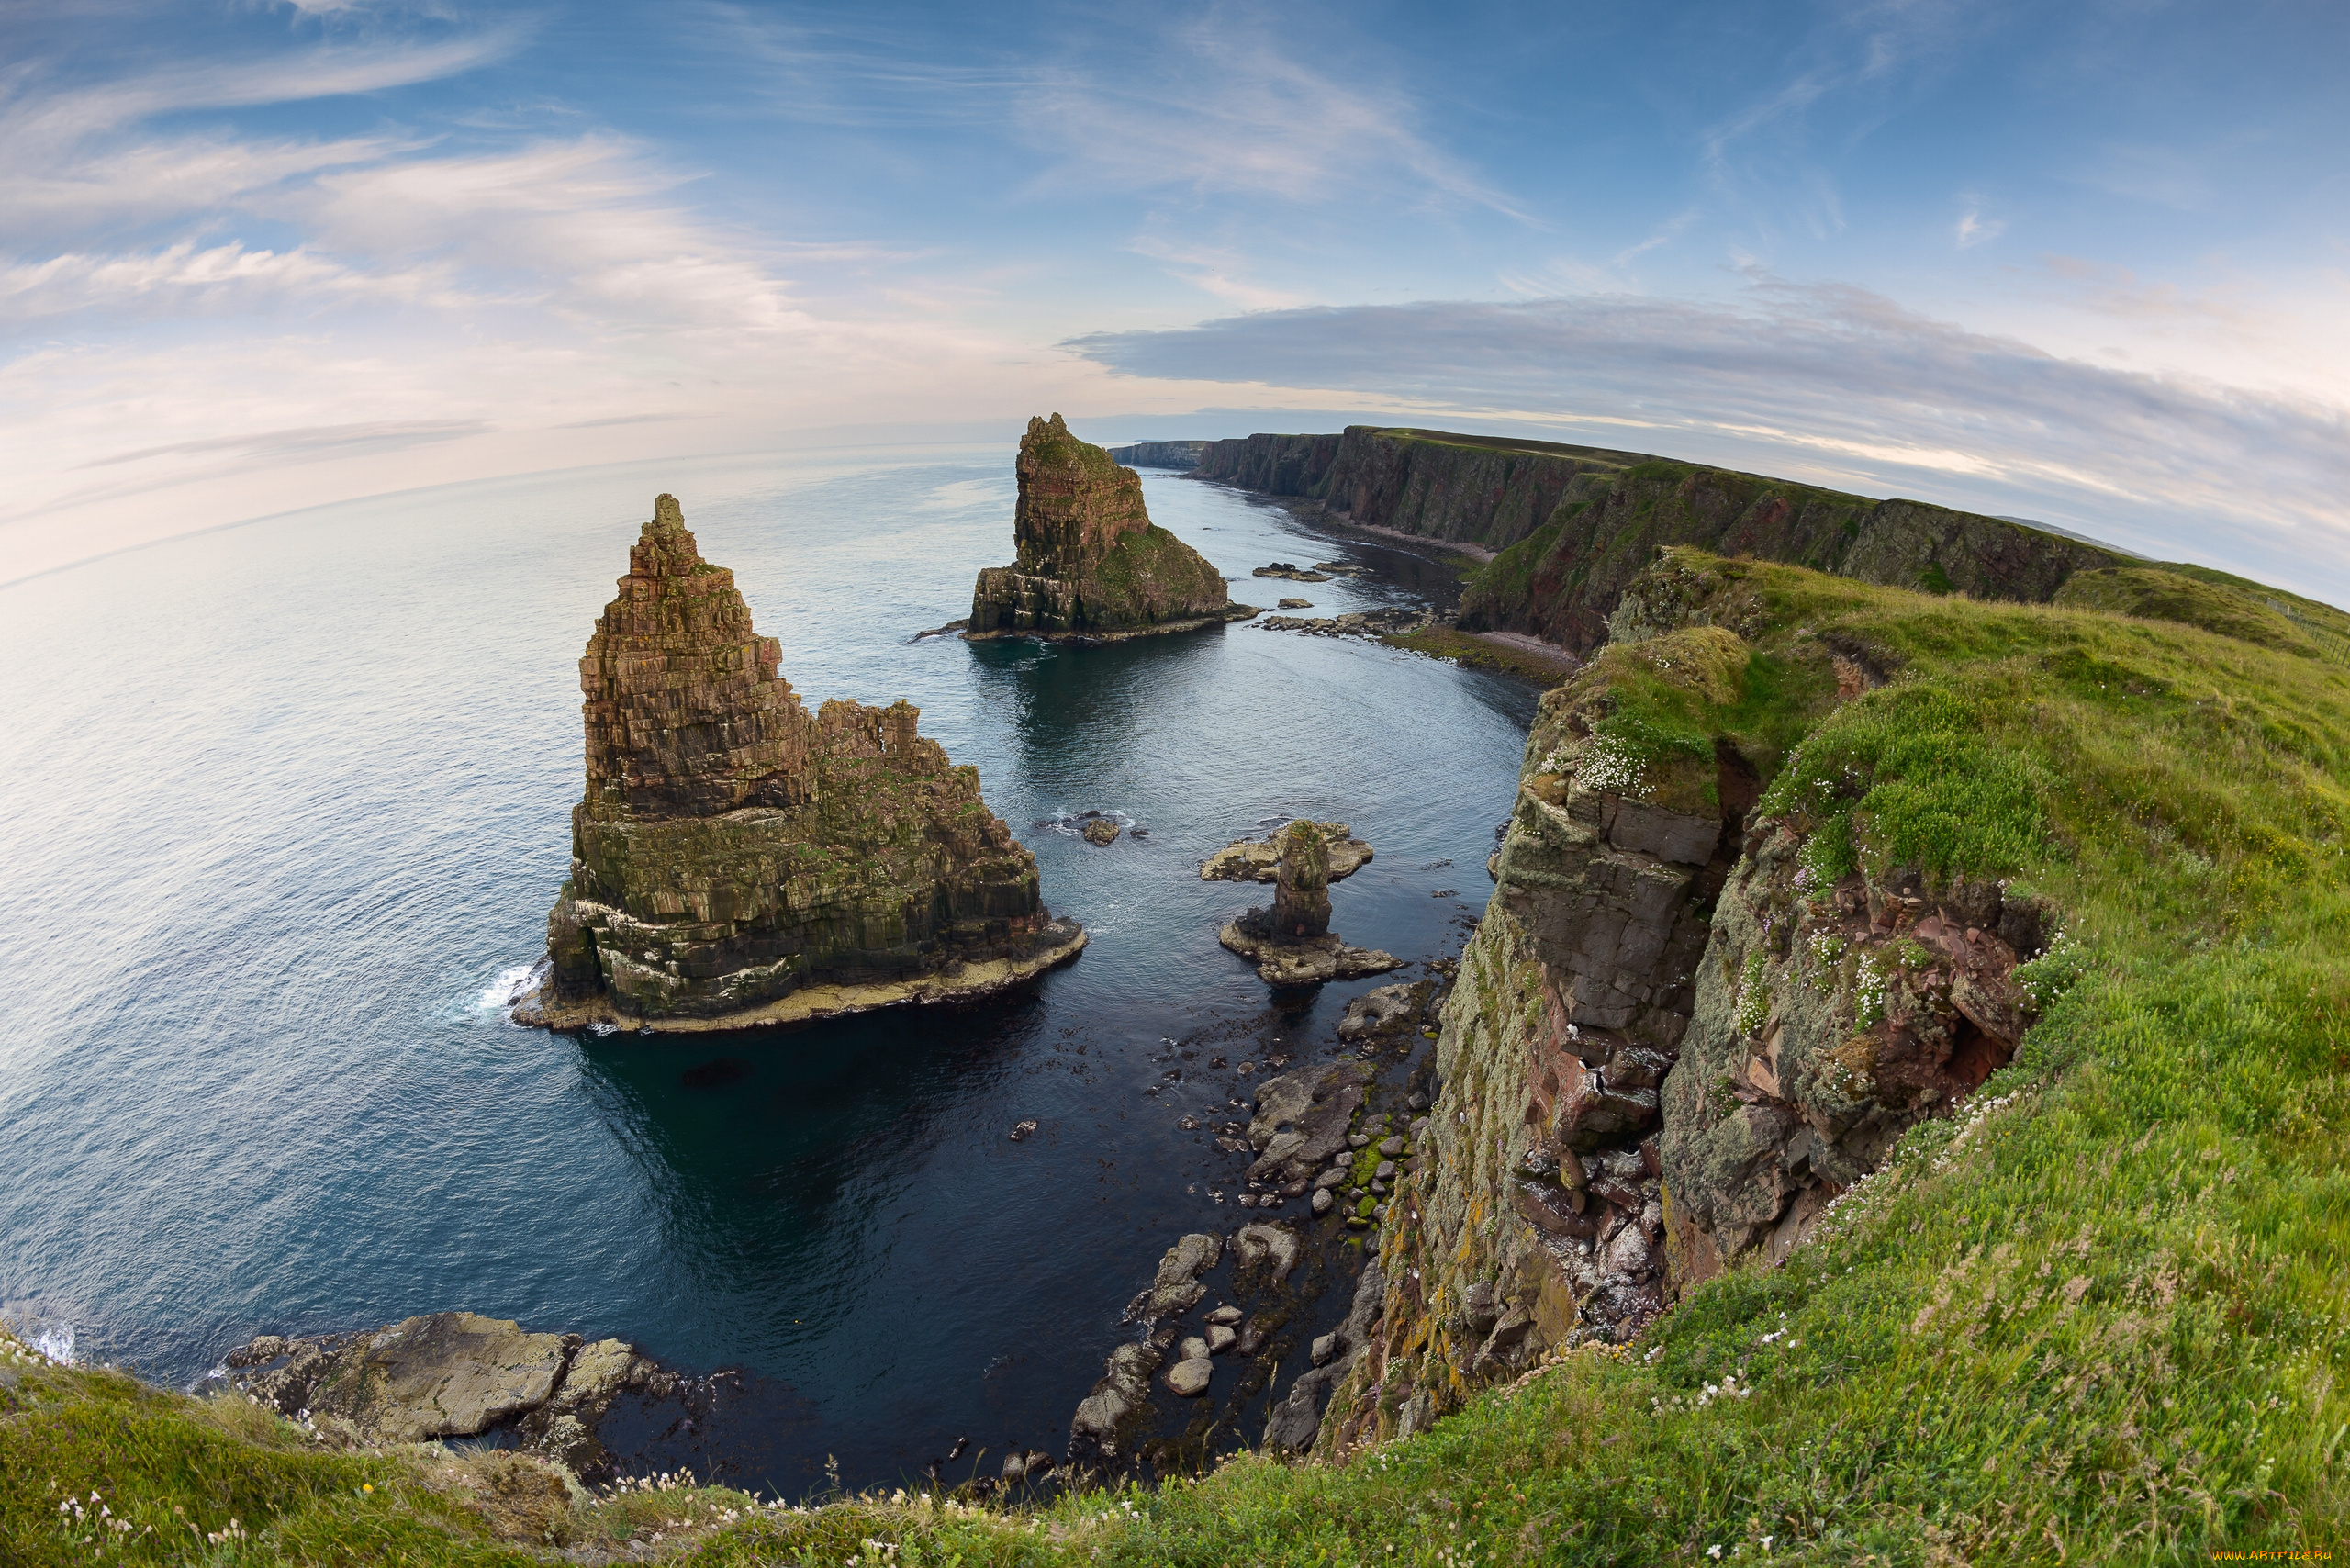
column 2087, row 262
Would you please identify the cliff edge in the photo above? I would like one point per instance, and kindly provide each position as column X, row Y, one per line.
column 1092, row 563
column 738, row 861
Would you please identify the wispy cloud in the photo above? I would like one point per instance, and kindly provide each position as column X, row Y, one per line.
column 311, row 443
column 1842, row 384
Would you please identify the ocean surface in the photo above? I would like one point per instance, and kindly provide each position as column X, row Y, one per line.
column 286, row 805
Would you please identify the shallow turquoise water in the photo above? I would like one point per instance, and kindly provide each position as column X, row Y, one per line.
column 285, row 801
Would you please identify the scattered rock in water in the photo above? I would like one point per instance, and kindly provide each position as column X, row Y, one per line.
column 1261, row 1245
column 1100, row 830
column 1295, row 604
column 1221, row 1338
column 1258, row 859
column 1022, row 1128
column 1225, row 1314
column 1444, row 893
column 1189, row 1125
column 1302, row 1118
column 1390, row 1009
column 1122, row 1393
column 1395, row 623
column 1176, row 1288
column 1291, row 571
column 1296, row 1417
column 1322, row 1202
column 1190, row 1377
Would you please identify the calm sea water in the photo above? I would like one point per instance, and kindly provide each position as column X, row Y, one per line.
column 282, row 804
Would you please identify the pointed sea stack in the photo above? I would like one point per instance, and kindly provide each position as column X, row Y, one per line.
column 1093, row 565
column 737, row 862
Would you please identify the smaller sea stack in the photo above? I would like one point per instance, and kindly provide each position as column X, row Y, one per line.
column 738, row 861
column 1092, row 565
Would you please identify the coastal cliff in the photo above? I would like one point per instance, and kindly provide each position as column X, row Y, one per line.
column 1159, row 453
column 1488, row 491
column 1561, row 582
column 737, row 860
column 1092, row 563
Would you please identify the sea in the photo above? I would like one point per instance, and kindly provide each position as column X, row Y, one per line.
column 286, row 803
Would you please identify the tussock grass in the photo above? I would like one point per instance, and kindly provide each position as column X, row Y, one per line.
column 2102, row 1315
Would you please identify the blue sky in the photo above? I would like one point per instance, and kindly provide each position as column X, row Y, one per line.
column 2088, row 263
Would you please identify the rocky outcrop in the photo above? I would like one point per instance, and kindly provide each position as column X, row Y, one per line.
column 1829, row 1020
column 1092, row 565
column 736, row 860
column 1258, row 859
column 449, row 1374
column 1292, row 943
column 1673, row 1039
column 1159, row 453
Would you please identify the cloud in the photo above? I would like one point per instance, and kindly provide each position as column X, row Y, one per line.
column 1841, row 386
column 1221, row 103
column 314, row 442
column 1974, row 229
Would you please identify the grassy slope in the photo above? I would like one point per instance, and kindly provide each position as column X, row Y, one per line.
column 2101, row 1316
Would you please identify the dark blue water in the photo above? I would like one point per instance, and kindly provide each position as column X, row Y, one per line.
column 283, row 803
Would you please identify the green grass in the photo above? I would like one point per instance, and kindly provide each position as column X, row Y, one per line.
column 2102, row 1315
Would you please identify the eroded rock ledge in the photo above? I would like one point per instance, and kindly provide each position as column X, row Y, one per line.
column 737, row 861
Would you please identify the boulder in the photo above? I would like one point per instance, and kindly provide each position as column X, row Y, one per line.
column 1190, row 1377
column 1176, row 1287
column 1265, row 1244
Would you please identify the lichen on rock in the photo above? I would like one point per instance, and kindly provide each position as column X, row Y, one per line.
column 1092, row 565
column 738, row 860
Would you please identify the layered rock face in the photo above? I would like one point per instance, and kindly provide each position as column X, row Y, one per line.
column 1159, row 453
column 1575, row 524
column 1485, row 490
column 732, row 849
column 1092, row 563
column 1669, row 1044
column 1562, row 582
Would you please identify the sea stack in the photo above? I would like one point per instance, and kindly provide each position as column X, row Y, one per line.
column 1092, row 565
column 736, row 861
column 1292, row 943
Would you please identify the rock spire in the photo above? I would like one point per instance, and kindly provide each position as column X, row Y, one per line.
column 1089, row 563
column 736, row 860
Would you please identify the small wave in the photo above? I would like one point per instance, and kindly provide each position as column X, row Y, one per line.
column 511, row 985
column 56, row 1343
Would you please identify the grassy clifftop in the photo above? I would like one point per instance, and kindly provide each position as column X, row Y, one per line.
column 2100, row 1314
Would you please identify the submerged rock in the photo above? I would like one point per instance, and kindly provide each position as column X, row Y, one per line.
column 1092, row 563
column 737, row 861
column 1122, row 1394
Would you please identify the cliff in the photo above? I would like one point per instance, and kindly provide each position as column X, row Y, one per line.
column 1092, row 563
column 1159, row 453
column 1573, row 525
column 1561, row 582
column 1484, row 491
column 738, row 860
column 1799, row 871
